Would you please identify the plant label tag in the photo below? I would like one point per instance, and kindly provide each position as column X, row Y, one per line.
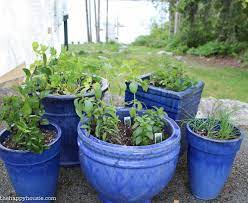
column 127, row 121
column 158, row 137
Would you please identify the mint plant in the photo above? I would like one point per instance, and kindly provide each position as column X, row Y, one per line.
column 147, row 125
column 23, row 117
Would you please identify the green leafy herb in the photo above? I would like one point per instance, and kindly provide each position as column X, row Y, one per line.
column 172, row 77
column 217, row 125
column 23, row 117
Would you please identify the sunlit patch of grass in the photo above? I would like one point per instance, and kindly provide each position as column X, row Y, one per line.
column 228, row 82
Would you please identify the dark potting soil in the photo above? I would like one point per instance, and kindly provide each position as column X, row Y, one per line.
column 215, row 136
column 203, row 133
column 124, row 137
column 49, row 136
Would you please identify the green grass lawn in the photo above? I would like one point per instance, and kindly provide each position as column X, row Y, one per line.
column 220, row 82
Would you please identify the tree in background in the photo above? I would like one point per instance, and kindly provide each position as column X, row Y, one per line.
column 88, row 21
column 97, row 19
column 107, row 7
column 221, row 27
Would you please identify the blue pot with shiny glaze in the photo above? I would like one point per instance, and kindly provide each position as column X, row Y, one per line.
column 129, row 173
column 210, row 163
column 60, row 110
column 33, row 175
column 178, row 105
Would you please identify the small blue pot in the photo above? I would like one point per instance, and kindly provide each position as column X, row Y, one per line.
column 129, row 173
column 209, row 163
column 33, row 175
column 60, row 110
column 178, row 105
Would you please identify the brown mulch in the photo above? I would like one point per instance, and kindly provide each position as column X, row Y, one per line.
column 217, row 61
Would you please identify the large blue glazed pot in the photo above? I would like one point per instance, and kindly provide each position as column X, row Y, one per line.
column 209, row 163
column 33, row 175
column 178, row 105
column 125, row 174
column 60, row 110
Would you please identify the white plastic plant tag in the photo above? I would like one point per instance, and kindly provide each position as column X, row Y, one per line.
column 127, row 121
column 158, row 137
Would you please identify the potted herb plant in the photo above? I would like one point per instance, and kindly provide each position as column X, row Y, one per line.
column 128, row 155
column 29, row 147
column 213, row 144
column 62, row 79
column 171, row 88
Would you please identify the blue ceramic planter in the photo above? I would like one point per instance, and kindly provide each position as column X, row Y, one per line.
column 178, row 105
column 61, row 110
column 209, row 163
column 33, row 175
column 125, row 174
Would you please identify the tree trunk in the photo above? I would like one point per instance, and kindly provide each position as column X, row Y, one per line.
column 107, row 37
column 87, row 21
column 176, row 23
column 98, row 21
column 90, row 30
column 171, row 19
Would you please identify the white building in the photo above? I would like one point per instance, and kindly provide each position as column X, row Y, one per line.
column 25, row 21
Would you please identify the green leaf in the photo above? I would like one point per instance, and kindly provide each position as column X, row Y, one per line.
column 53, row 51
column 138, row 140
column 133, row 87
column 35, row 45
column 132, row 112
column 98, row 90
column 150, row 135
column 26, row 109
column 44, row 122
column 88, row 106
column 43, row 48
column 144, row 85
column 139, row 105
column 27, row 72
column 84, row 126
column 138, row 132
column 44, row 57
column 46, row 71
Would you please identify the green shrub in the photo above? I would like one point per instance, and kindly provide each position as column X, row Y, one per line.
column 157, row 39
column 176, row 46
column 244, row 58
column 218, row 48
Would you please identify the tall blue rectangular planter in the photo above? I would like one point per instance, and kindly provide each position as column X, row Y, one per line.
column 178, row 105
